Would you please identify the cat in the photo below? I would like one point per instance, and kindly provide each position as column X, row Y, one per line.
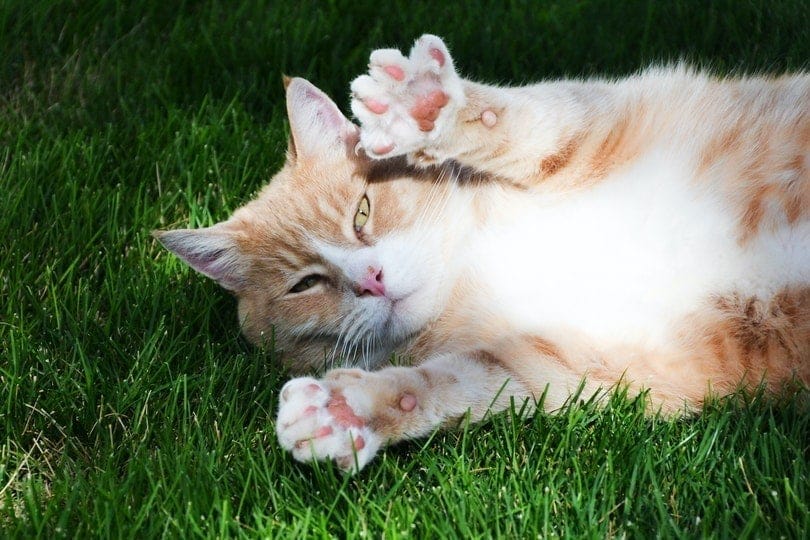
column 651, row 233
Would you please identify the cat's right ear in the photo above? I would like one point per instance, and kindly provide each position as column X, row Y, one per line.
column 211, row 251
column 317, row 126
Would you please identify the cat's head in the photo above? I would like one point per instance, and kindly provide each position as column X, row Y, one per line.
column 335, row 257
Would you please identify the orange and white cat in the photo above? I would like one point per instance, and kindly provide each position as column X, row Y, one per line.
column 651, row 232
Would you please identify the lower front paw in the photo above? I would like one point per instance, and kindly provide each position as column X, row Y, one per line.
column 317, row 423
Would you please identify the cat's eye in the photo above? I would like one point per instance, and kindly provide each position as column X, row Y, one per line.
column 306, row 283
column 363, row 211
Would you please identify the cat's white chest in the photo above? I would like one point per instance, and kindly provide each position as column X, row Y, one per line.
column 619, row 262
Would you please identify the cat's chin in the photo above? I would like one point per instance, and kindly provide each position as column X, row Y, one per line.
column 404, row 320
column 392, row 331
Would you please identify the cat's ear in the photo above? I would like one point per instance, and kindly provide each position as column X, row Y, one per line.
column 211, row 251
column 316, row 124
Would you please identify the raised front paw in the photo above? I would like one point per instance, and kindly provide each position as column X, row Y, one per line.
column 316, row 422
column 405, row 105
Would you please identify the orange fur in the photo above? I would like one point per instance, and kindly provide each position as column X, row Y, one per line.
column 739, row 141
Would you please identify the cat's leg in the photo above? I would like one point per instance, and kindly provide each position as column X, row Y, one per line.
column 350, row 414
column 420, row 107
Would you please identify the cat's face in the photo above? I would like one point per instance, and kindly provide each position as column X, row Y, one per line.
column 336, row 257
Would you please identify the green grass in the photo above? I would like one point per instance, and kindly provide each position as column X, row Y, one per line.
column 129, row 405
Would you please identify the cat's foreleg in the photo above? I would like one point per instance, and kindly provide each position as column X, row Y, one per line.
column 349, row 414
column 420, row 107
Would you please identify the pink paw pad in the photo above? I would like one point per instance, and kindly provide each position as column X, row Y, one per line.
column 383, row 149
column 323, row 431
column 395, row 72
column 427, row 110
column 489, row 118
column 437, row 55
column 377, row 107
column 407, row 402
column 342, row 412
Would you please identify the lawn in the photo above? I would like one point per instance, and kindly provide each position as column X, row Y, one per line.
column 130, row 406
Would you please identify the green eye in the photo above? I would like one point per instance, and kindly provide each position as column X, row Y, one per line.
column 307, row 283
column 363, row 211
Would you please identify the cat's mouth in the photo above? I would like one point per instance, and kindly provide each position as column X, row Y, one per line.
column 400, row 324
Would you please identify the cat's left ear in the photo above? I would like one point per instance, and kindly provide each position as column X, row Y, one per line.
column 316, row 124
column 211, row 251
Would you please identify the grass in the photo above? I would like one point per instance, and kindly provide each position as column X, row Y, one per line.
column 129, row 405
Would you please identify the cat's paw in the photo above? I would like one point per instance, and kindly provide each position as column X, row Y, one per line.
column 316, row 422
column 406, row 105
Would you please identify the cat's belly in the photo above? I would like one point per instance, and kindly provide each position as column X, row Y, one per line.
column 624, row 261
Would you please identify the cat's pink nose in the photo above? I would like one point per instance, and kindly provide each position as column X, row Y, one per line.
column 372, row 283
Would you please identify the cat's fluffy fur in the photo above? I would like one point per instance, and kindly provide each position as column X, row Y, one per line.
column 652, row 232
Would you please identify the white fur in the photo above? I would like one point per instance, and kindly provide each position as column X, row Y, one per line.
column 622, row 261
column 303, row 411
column 626, row 258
